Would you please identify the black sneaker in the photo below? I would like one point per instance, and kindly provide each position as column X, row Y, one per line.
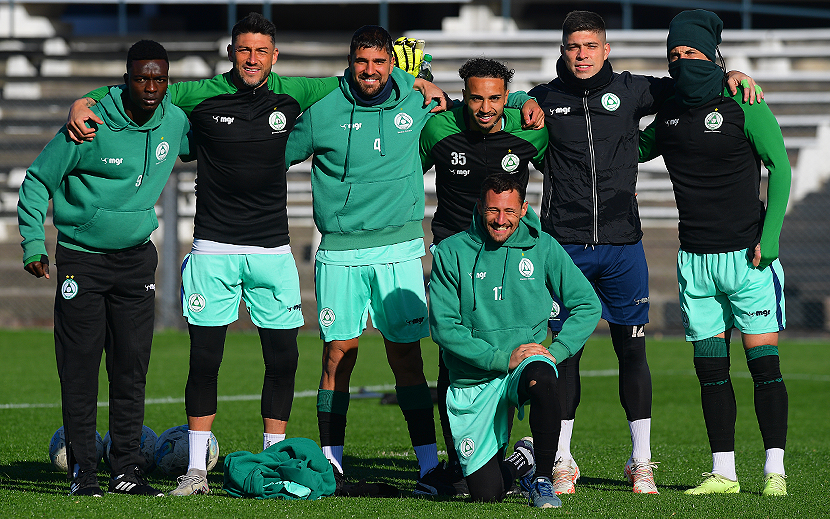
column 339, row 480
column 439, row 481
column 85, row 484
column 133, row 482
column 459, row 482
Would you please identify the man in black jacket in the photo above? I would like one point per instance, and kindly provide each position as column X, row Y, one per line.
column 590, row 206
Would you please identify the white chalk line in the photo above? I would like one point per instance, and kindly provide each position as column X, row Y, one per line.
column 355, row 392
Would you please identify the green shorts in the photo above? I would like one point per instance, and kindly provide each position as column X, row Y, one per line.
column 478, row 416
column 723, row 291
column 391, row 293
column 212, row 285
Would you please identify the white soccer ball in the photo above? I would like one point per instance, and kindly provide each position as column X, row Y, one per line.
column 146, row 447
column 172, row 451
column 57, row 449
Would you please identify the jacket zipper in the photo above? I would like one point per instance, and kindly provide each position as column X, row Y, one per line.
column 593, row 167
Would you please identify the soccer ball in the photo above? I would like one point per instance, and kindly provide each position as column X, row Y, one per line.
column 172, row 451
column 57, row 449
column 146, row 447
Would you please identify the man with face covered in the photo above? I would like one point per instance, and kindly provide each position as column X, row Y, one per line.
column 103, row 195
column 728, row 272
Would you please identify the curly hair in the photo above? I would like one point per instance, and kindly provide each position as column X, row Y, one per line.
column 483, row 67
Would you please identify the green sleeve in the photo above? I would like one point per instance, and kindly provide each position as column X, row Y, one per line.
column 566, row 282
column 98, row 94
column 764, row 134
column 518, row 99
column 306, row 91
column 43, row 179
column 300, row 144
column 425, row 148
column 445, row 322
column 648, row 143
column 539, row 139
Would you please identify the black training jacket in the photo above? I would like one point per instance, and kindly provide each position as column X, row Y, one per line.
column 590, row 167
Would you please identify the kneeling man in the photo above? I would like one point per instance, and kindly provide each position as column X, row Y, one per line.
column 491, row 294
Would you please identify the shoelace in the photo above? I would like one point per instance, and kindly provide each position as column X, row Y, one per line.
column 562, row 474
column 644, row 471
column 544, row 488
column 188, row 479
column 776, row 483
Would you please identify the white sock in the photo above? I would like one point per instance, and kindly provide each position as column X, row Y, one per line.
column 334, row 453
column 197, row 449
column 775, row 462
column 723, row 463
column 640, row 439
column 566, row 431
column 269, row 439
column 427, row 457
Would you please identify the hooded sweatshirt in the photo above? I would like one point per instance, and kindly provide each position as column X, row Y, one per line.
column 485, row 299
column 366, row 178
column 104, row 191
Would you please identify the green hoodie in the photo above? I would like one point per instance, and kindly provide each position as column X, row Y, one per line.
column 366, row 178
column 485, row 300
column 104, row 191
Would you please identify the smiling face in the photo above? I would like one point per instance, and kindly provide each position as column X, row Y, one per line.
column 585, row 52
column 684, row 52
column 485, row 97
column 501, row 213
column 252, row 55
column 370, row 68
column 146, row 84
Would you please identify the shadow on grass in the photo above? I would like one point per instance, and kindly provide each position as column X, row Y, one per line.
column 29, row 476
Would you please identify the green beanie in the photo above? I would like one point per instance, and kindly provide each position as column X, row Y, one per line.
column 696, row 28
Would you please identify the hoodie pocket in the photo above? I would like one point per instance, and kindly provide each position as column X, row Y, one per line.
column 378, row 205
column 506, row 339
column 109, row 229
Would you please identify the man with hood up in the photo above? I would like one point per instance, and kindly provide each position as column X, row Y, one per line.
column 728, row 271
column 491, row 294
column 103, row 194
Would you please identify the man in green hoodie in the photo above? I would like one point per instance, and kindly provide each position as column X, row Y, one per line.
column 491, row 295
column 103, row 194
column 368, row 195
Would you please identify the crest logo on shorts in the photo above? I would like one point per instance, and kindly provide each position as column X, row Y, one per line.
column 510, row 162
column 162, row 150
column 403, row 121
column 196, row 303
column 326, row 317
column 69, row 288
column 467, row 447
column 277, row 121
column 554, row 311
column 526, row 267
column 610, row 102
column 713, row 121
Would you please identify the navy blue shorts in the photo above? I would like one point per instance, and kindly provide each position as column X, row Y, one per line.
column 619, row 275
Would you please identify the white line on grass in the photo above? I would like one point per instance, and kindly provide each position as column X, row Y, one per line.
column 388, row 387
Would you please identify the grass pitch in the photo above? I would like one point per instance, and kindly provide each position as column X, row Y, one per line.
column 378, row 448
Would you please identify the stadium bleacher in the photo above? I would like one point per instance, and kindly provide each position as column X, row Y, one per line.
column 40, row 76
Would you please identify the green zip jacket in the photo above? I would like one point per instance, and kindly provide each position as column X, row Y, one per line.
column 366, row 178
column 295, row 468
column 485, row 300
column 104, row 191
